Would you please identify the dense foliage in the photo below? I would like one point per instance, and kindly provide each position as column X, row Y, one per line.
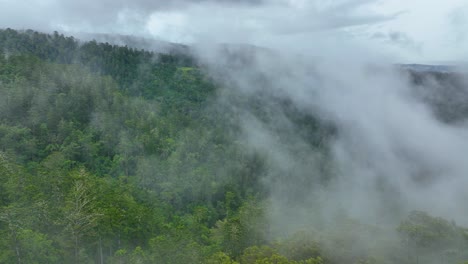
column 114, row 155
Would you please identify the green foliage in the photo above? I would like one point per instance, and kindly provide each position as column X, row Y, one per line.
column 268, row 255
column 112, row 150
column 220, row 258
column 242, row 228
column 422, row 233
column 301, row 246
column 36, row 247
column 426, row 231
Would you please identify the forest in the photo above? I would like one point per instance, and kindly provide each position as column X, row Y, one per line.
column 110, row 154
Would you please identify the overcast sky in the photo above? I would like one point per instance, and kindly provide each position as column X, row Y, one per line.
column 406, row 30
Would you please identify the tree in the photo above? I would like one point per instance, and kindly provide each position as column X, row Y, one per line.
column 425, row 235
column 81, row 213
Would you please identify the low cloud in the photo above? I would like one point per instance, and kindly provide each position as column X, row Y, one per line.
column 390, row 153
column 400, row 39
column 459, row 21
column 190, row 20
column 104, row 16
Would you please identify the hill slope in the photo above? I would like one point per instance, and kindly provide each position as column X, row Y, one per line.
column 110, row 154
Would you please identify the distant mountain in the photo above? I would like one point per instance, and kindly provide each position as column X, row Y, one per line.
column 430, row 68
column 444, row 88
column 149, row 44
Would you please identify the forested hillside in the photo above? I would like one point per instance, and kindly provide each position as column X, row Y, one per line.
column 110, row 154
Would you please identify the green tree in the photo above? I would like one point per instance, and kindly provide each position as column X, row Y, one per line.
column 81, row 213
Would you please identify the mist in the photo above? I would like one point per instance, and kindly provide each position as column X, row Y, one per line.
column 390, row 150
column 388, row 153
column 345, row 133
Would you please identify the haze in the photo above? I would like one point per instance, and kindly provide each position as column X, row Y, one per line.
column 408, row 31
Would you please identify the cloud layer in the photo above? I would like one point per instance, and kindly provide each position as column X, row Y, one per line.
column 390, row 153
column 412, row 30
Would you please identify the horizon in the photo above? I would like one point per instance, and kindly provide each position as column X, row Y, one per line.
column 153, row 44
column 403, row 31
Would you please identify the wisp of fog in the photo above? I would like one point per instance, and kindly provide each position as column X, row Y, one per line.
column 389, row 154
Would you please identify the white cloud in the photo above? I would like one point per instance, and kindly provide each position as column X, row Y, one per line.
column 426, row 22
column 171, row 26
column 436, row 28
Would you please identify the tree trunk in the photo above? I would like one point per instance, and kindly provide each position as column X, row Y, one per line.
column 101, row 258
column 77, row 260
column 17, row 250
